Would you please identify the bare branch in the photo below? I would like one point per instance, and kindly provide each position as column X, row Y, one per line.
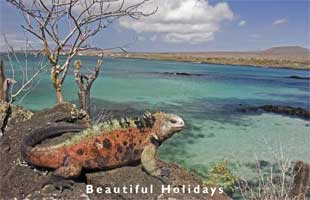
column 25, row 84
column 21, row 89
column 84, row 82
column 85, row 18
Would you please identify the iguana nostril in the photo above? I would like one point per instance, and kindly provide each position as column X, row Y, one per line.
column 181, row 122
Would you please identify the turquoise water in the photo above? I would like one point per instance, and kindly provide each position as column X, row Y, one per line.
column 209, row 103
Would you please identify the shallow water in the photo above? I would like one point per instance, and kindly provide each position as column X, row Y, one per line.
column 209, row 102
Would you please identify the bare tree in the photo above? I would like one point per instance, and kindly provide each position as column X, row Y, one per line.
column 85, row 82
column 26, row 78
column 79, row 20
column 16, row 67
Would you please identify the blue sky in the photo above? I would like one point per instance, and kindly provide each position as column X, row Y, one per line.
column 214, row 26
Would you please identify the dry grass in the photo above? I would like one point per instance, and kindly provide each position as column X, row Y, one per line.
column 277, row 183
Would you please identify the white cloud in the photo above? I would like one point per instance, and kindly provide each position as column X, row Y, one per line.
column 190, row 21
column 242, row 23
column 280, row 21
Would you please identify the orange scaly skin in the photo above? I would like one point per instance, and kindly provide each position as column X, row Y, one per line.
column 99, row 152
column 108, row 145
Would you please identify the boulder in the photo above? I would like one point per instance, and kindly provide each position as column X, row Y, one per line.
column 11, row 114
column 17, row 178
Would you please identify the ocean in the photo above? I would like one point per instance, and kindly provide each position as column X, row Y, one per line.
column 208, row 97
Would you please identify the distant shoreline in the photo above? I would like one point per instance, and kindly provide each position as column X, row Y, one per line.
column 283, row 57
column 222, row 60
column 244, row 64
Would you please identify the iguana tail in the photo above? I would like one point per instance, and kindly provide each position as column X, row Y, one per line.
column 51, row 130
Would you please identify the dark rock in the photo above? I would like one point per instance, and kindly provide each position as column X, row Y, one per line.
column 179, row 74
column 11, row 115
column 200, row 135
column 263, row 163
column 299, row 77
column 63, row 112
column 286, row 110
column 17, row 179
column 260, row 164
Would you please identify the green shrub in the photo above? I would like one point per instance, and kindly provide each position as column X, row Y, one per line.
column 220, row 175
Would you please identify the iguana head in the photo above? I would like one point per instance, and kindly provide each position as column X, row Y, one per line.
column 166, row 125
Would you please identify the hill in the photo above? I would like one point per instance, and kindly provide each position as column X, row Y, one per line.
column 289, row 50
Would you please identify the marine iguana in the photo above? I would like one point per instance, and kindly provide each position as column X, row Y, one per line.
column 107, row 145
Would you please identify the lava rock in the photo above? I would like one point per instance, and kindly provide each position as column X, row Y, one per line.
column 17, row 178
column 299, row 77
column 11, row 114
column 21, row 181
column 133, row 175
column 286, row 110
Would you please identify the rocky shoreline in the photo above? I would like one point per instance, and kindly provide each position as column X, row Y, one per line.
column 19, row 180
column 278, row 109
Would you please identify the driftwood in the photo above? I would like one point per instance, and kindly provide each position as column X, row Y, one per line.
column 84, row 82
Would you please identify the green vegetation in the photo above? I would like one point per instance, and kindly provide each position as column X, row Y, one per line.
column 220, row 175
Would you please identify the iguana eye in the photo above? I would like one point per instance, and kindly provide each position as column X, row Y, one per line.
column 173, row 121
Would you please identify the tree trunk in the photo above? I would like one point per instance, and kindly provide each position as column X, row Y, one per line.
column 60, row 98
column 84, row 98
column 57, row 84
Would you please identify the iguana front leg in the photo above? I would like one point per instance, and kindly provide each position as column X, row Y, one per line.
column 149, row 163
column 62, row 177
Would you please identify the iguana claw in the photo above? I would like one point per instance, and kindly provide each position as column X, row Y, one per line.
column 60, row 183
column 64, row 184
column 165, row 172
